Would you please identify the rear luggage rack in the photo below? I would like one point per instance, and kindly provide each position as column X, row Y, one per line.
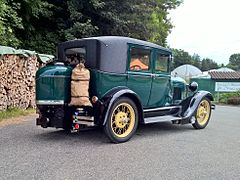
column 81, row 117
column 85, row 120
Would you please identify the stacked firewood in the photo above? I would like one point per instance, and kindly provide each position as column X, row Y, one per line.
column 17, row 81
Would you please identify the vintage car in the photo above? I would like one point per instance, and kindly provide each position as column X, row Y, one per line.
column 130, row 83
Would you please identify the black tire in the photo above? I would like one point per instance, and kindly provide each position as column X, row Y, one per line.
column 202, row 118
column 125, row 119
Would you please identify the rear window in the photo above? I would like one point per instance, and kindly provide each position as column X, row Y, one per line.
column 75, row 55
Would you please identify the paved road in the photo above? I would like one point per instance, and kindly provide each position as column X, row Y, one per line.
column 159, row 151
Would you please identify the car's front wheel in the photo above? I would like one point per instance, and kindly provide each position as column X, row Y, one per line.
column 202, row 114
column 122, row 120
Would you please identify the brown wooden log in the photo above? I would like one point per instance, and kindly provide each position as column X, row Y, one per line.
column 17, row 81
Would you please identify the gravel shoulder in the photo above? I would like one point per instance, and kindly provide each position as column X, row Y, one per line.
column 17, row 120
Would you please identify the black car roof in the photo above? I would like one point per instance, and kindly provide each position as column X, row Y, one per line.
column 106, row 53
column 122, row 39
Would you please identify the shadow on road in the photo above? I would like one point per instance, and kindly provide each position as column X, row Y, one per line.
column 94, row 135
column 163, row 128
column 97, row 136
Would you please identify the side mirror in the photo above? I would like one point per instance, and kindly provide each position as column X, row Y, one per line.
column 193, row 86
column 170, row 63
column 171, row 58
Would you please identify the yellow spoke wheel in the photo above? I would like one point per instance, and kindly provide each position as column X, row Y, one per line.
column 202, row 114
column 122, row 120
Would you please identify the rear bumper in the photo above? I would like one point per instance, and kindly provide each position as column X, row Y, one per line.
column 50, row 102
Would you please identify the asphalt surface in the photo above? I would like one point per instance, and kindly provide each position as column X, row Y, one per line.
column 157, row 151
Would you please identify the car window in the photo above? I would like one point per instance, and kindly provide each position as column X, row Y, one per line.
column 161, row 63
column 140, row 59
column 75, row 55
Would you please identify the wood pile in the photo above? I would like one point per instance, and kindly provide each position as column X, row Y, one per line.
column 17, row 81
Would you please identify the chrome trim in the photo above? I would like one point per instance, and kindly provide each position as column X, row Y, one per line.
column 83, row 118
column 86, row 120
column 161, row 108
column 213, row 106
column 161, row 119
column 59, row 63
column 88, row 123
column 55, row 76
column 50, row 102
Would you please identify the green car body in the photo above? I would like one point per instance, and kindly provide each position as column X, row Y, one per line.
column 120, row 68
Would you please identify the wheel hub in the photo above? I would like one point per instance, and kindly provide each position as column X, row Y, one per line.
column 121, row 119
column 202, row 112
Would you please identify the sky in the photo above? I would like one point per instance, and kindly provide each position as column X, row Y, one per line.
column 209, row 28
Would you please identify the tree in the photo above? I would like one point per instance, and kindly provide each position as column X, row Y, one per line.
column 42, row 24
column 234, row 62
column 181, row 57
column 208, row 64
column 160, row 25
column 146, row 20
column 37, row 32
column 9, row 23
column 196, row 59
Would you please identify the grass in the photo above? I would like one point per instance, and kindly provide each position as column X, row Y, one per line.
column 15, row 112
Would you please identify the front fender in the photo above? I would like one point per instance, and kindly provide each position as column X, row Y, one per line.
column 191, row 103
column 114, row 94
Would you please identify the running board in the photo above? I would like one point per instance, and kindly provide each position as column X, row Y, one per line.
column 157, row 119
column 162, row 111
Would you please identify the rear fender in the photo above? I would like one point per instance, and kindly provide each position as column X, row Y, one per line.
column 111, row 97
column 190, row 104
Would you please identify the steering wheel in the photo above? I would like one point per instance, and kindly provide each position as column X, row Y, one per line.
column 136, row 68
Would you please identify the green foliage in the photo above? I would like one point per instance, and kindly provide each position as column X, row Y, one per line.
column 36, row 33
column 224, row 97
column 196, row 60
column 234, row 62
column 9, row 22
column 159, row 25
column 182, row 57
column 42, row 24
column 14, row 112
column 208, row 64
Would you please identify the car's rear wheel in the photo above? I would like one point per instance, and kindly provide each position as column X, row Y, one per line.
column 202, row 114
column 122, row 120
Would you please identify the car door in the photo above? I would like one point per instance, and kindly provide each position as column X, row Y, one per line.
column 160, row 92
column 139, row 71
